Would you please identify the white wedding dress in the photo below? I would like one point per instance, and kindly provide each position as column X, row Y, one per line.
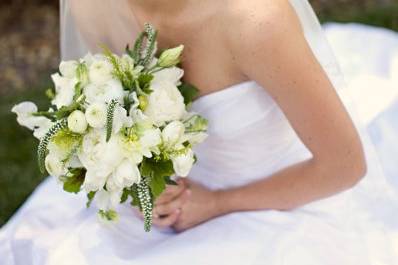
column 249, row 139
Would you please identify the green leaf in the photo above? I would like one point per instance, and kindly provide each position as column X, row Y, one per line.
column 156, row 172
column 136, row 52
column 109, row 215
column 90, row 198
column 73, row 182
column 125, row 195
column 189, row 92
column 144, row 81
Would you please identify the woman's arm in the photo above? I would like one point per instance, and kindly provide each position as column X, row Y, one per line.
column 279, row 58
column 270, row 48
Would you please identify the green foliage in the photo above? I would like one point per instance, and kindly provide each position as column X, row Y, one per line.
column 74, row 180
column 151, row 35
column 189, row 92
column 109, row 118
column 146, row 203
column 109, row 215
column 42, row 148
column 136, row 52
column 156, row 172
column 90, row 198
column 124, row 75
column 144, row 82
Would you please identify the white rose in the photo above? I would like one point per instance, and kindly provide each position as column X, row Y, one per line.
column 165, row 103
column 172, row 133
column 77, row 122
column 54, row 165
column 100, row 71
column 104, row 92
column 64, row 90
column 126, row 174
column 68, row 68
column 39, row 124
column 182, row 164
column 96, row 115
column 172, row 74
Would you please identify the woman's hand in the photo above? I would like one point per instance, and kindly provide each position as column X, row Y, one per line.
column 168, row 205
column 202, row 205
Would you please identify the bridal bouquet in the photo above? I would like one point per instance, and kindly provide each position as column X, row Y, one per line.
column 118, row 126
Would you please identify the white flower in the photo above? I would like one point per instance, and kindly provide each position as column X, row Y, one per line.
column 120, row 119
column 54, row 165
column 64, row 90
column 77, row 122
column 68, row 68
column 182, row 163
column 100, row 71
column 94, row 180
column 96, row 115
column 39, row 124
column 172, row 74
column 194, row 138
column 133, row 98
column 170, row 57
column 106, row 200
column 149, row 141
column 42, row 127
column 126, row 174
column 104, row 92
column 97, row 155
column 165, row 103
column 172, row 133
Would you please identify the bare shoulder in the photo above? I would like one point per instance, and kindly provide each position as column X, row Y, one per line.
column 259, row 22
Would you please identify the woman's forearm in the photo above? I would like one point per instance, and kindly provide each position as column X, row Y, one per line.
column 289, row 188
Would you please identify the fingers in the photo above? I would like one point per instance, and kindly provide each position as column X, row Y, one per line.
column 168, row 220
column 171, row 192
column 169, row 207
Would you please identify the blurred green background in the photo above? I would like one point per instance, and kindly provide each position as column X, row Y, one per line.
column 29, row 53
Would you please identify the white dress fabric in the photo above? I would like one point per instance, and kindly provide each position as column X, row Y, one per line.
column 249, row 139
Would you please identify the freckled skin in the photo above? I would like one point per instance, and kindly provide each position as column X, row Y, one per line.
column 227, row 42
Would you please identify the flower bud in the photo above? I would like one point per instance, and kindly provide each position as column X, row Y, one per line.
column 77, row 122
column 170, row 57
column 173, row 132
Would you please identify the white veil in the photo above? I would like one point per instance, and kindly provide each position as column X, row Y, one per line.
column 113, row 23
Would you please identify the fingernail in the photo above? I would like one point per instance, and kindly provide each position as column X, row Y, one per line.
column 177, row 211
column 189, row 192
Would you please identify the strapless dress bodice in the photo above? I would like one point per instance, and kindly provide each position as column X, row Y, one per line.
column 249, row 137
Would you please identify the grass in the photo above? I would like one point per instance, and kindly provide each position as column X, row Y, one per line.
column 19, row 174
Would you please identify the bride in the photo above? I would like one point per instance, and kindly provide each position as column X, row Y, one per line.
column 285, row 176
